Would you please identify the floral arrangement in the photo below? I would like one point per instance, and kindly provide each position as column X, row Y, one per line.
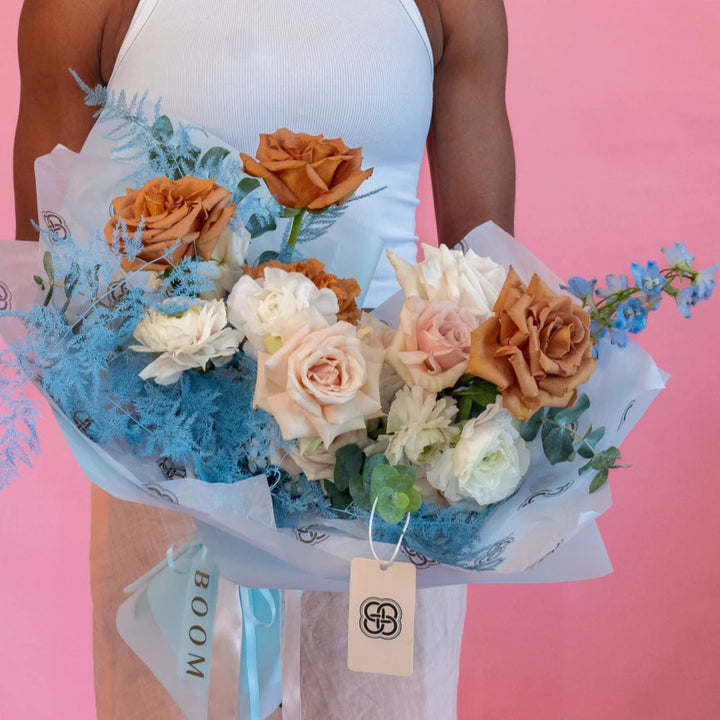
column 167, row 340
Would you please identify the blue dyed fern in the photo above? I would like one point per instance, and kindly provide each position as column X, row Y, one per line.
column 18, row 419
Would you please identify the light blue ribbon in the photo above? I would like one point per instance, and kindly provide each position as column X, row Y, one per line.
column 261, row 655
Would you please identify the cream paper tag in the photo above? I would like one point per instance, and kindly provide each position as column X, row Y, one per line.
column 381, row 620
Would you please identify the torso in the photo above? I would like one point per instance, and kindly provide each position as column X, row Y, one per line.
column 119, row 14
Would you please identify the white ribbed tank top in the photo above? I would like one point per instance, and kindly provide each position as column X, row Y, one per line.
column 357, row 69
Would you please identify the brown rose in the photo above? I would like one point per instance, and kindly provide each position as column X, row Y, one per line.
column 306, row 171
column 190, row 210
column 536, row 348
column 345, row 289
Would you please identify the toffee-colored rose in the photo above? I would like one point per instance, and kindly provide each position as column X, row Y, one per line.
column 536, row 348
column 192, row 211
column 306, row 171
column 345, row 289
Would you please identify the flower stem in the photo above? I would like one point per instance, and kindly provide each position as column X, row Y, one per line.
column 295, row 229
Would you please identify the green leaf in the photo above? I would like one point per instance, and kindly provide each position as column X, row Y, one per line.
column 375, row 460
column 599, row 480
column 530, row 428
column 162, row 129
column 566, row 416
column 48, row 265
column 266, row 256
column 348, row 463
column 247, row 185
column 39, row 281
column 586, row 447
column 339, row 499
column 465, row 406
column 258, row 225
column 213, row 157
column 360, row 492
column 557, row 444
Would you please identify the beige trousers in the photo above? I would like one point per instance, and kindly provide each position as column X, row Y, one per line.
column 128, row 539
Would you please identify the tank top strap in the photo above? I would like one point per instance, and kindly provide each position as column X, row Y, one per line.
column 413, row 12
column 142, row 14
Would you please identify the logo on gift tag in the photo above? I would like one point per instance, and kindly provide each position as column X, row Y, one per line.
column 380, row 618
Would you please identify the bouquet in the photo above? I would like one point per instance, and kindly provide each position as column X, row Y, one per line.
column 193, row 364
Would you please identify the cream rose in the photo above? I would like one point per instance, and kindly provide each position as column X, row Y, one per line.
column 488, row 462
column 432, row 344
column 271, row 308
column 191, row 340
column 468, row 280
column 318, row 461
column 320, row 383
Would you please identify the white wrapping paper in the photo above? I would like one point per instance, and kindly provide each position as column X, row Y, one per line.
column 545, row 532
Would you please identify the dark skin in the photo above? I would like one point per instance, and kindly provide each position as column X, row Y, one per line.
column 469, row 146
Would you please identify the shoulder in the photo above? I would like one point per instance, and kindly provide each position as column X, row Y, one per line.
column 473, row 29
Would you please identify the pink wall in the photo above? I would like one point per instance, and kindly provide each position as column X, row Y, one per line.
column 614, row 107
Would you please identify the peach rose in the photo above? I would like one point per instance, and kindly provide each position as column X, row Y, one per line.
column 306, row 171
column 345, row 289
column 536, row 348
column 432, row 344
column 191, row 210
column 320, row 384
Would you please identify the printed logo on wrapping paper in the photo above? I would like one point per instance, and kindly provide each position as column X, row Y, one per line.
column 380, row 618
column 57, row 225
column 5, row 297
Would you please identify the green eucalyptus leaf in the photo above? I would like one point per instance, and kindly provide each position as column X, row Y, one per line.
column 247, row 185
column 376, row 460
column 348, row 463
column 599, row 480
column 258, row 225
column 566, row 416
column 162, row 129
column 557, row 444
column 48, row 265
column 360, row 492
column 213, row 157
column 530, row 428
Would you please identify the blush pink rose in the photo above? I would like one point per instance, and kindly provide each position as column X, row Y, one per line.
column 320, row 384
column 431, row 347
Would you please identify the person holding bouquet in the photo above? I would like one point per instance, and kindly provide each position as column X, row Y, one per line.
column 387, row 75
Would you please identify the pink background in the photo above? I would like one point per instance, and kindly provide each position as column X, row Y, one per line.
column 615, row 108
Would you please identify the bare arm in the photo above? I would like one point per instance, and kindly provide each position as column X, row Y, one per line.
column 55, row 35
column 470, row 145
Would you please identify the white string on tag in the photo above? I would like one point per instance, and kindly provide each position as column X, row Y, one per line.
column 386, row 564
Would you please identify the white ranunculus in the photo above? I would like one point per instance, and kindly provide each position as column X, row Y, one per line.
column 467, row 279
column 270, row 309
column 190, row 340
column 488, row 462
column 419, row 427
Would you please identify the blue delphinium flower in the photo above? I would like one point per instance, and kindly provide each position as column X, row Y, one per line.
column 581, row 288
column 678, row 256
column 648, row 278
column 705, row 282
column 631, row 316
column 617, row 336
column 686, row 299
column 615, row 283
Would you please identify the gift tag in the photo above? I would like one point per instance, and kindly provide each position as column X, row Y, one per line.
column 381, row 621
